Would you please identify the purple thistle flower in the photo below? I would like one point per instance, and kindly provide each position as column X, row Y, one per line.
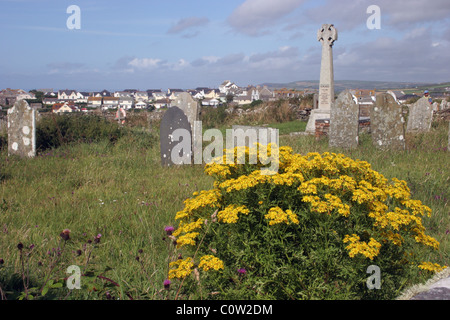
column 242, row 271
column 169, row 230
column 167, row 283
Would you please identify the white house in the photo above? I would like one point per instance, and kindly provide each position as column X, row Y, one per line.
column 110, row 102
column 123, row 94
column 141, row 96
column 228, row 87
column 68, row 95
column 140, row 105
column 95, row 102
column 126, row 102
column 162, row 103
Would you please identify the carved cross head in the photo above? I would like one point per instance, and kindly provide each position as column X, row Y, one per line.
column 327, row 34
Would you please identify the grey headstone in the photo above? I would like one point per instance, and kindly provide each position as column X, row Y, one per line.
column 189, row 106
column 173, row 119
column 420, row 116
column 22, row 130
column 344, row 122
column 387, row 123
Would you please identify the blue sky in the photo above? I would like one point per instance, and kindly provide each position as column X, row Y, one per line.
column 187, row 44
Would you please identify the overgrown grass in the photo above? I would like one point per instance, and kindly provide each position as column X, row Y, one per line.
column 120, row 191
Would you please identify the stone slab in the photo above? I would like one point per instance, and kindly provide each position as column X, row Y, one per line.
column 173, row 119
column 344, row 122
column 387, row 123
column 420, row 116
column 22, row 130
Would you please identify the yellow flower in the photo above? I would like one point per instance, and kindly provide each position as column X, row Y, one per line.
column 433, row 267
column 187, row 239
column 369, row 250
column 209, row 262
column 276, row 216
column 230, row 213
column 184, row 268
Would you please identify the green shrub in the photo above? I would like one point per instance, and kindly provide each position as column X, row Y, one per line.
column 57, row 130
column 309, row 231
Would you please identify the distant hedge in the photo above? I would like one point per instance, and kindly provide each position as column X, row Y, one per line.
column 57, row 130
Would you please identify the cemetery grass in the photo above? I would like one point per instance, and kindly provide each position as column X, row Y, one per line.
column 116, row 200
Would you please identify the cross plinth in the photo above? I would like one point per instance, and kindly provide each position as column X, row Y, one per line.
column 327, row 35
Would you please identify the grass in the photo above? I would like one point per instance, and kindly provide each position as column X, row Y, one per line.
column 121, row 192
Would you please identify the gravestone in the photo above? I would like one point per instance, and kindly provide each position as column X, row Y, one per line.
column 420, row 116
column 189, row 106
column 22, row 130
column 175, row 138
column 344, row 122
column 191, row 109
column 247, row 135
column 327, row 35
column 387, row 123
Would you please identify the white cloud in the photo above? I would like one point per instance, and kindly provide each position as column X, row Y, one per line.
column 145, row 63
column 254, row 17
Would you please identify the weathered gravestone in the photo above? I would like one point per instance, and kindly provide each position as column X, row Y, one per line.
column 189, row 106
column 22, row 130
column 191, row 109
column 344, row 122
column 175, row 138
column 327, row 35
column 420, row 116
column 249, row 135
column 386, row 123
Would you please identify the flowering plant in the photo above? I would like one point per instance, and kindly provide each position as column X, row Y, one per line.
column 307, row 231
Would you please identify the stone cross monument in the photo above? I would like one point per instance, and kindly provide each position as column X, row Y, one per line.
column 327, row 35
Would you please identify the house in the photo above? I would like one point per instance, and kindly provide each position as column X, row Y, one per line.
column 162, row 103
column 104, row 93
column 94, row 102
column 50, row 101
column 242, row 99
column 228, row 87
column 172, row 94
column 126, row 102
column 211, row 93
column 140, row 105
column 141, row 96
column 156, row 94
column 67, row 95
column 65, row 107
column 123, row 94
column 82, row 97
column 265, row 94
column 110, row 102
column 210, row 102
column 9, row 96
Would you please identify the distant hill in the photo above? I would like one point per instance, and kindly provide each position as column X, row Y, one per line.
column 340, row 85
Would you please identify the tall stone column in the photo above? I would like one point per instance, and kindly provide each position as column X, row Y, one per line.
column 327, row 35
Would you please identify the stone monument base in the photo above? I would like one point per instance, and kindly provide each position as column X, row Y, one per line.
column 316, row 114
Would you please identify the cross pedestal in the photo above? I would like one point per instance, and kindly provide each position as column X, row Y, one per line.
column 327, row 35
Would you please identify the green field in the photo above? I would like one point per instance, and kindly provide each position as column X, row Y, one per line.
column 121, row 192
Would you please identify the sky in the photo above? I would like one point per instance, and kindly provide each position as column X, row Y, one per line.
column 146, row 44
